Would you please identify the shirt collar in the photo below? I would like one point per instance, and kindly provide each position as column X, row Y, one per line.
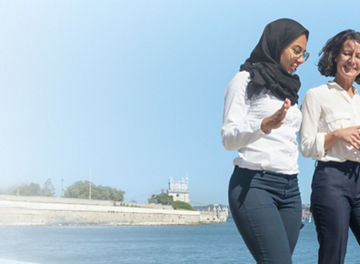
column 335, row 85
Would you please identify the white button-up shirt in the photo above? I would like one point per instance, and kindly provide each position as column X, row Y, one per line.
column 325, row 109
column 276, row 151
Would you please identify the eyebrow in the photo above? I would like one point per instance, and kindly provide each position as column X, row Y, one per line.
column 298, row 46
column 350, row 49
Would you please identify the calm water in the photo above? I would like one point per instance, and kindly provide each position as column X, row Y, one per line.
column 161, row 244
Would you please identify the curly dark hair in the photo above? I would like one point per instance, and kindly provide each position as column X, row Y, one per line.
column 332, row 48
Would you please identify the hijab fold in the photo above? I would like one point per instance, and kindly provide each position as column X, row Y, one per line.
column 264, row 61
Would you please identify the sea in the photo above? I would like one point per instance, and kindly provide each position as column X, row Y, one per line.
column 215, row 244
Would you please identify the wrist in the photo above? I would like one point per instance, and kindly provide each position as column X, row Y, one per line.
column 264, row 127
column 336, row 134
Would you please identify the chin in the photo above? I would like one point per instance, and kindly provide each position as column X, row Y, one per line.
column 350, row 75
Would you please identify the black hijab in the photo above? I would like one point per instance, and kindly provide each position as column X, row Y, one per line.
column 264, row 62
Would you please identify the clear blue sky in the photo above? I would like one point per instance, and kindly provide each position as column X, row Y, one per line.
column 132, row 92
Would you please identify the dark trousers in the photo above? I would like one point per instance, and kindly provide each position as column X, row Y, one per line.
column 335, row 204
column 266, row 208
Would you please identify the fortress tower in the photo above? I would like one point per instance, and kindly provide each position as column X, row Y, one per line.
column 179, row 190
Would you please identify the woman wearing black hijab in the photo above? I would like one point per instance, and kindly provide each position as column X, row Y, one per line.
column 261, row 119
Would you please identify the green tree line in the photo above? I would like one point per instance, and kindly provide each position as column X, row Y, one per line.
column 165, row 199
column 86, row 189
column 79, row 189
column 34, row 189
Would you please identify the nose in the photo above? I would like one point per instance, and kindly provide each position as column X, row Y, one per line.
column 301, row 59
column 352, row 58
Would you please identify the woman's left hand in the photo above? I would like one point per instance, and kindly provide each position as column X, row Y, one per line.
column 350, row 135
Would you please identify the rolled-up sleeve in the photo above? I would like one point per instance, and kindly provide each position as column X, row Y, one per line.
column 311, row 140
column 237, row 129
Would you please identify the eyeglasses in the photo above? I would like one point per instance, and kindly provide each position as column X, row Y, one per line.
column 299, row 52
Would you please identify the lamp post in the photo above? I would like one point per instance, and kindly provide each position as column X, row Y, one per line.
column 89, row 184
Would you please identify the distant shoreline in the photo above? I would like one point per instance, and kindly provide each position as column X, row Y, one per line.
column 49, row 211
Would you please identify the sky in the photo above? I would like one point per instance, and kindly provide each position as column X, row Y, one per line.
column 130, row 93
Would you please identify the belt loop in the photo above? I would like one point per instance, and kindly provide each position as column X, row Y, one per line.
column 356, row 170
column 316, row 163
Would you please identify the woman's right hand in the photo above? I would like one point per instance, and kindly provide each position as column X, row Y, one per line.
column 351, row 136
column 276, row 119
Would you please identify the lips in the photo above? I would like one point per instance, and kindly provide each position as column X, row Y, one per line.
column 349, row 69
column 293, row 68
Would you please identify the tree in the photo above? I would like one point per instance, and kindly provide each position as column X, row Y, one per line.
column 78, row 190
column 34, row 189
column 182, row 205
column 165, row 199
column 48, row 189
column 162, row 198
column 81, row 190
column 31, row 189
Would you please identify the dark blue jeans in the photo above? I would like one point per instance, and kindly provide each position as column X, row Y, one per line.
column 266, row 208
column 335, row 204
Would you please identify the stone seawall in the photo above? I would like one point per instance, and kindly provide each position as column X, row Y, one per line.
column 17, row 210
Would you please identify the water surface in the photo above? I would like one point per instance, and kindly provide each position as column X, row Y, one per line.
column 217, row 244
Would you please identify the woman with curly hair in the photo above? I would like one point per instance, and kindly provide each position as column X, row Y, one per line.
column 330, row 134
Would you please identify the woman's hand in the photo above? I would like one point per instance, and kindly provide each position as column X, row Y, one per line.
column 276, row 119
column 350, row 135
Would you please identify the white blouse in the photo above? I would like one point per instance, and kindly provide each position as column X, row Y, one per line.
column 325, row 109
column 276, row 151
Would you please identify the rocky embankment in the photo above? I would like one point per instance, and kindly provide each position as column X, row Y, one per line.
column 24, row 210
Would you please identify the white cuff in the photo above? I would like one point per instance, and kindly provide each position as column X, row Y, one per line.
column 256, row 127
column 320, row 141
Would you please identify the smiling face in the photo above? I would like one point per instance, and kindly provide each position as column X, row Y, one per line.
column 293, row 54
column 348, row 61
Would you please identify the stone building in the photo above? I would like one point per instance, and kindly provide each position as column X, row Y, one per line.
column 179, row 190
